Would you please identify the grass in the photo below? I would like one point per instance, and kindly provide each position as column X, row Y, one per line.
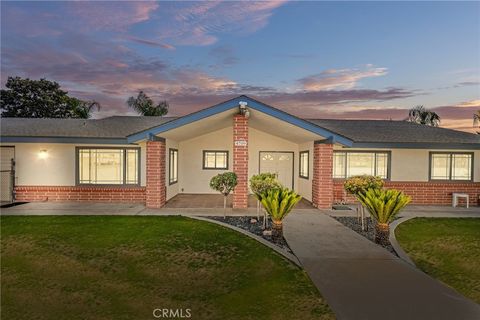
column 448, row 249
column 99, row 267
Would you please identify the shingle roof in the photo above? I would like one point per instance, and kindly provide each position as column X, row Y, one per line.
column 111, row 127
column 383, row 131
column 359, row 131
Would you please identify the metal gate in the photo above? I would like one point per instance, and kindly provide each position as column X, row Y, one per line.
column 7, row 174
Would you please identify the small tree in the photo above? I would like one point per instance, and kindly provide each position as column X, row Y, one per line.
column 278, row 203
column 224, row 183
column 357, row 185
column 145, row 106
column 261, row 183
column 383, row 205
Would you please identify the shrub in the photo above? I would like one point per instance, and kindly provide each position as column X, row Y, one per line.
column 278, row 203
column 224, row 183
column 383, row 205
column 264, row 182
column 360, row 184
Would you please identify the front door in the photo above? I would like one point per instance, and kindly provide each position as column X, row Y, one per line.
column 280, row 163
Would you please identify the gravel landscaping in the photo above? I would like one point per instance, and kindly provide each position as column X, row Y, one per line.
column 252, row 225
column 355, row 224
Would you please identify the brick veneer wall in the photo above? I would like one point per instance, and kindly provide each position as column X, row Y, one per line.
column 155, row 194
column 433, row 193
column 80, row 193
column 240, row 161
column 322, row 181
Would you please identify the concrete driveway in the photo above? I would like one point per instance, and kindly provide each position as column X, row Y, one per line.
column 361, row 280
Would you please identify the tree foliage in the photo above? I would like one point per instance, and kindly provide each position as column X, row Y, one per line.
column 26, row 98
column 476, row 119
column 360, row 184
column 224, row 182
column 263, row 182
column 145, row 106
column 421, row 115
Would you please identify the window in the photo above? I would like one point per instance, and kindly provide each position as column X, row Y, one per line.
column 451, row 166
column 173, row 166
column 353, row 163
column 111, row 166
column 304, row 164
column 215, row 160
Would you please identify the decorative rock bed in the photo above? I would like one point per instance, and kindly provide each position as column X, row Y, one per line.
column 254, row 226
column 355, row 224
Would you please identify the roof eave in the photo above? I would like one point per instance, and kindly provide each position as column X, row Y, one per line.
column 418, row 145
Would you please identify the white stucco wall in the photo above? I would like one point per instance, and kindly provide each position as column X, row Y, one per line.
column 172, row 190
column 305, row 185
column 58, row 169
column 413, row 164
column 192, row 177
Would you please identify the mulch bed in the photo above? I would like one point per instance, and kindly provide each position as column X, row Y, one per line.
column 355, row 224
column 256, row 228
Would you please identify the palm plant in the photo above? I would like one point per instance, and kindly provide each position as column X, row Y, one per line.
column 224, row 183
column 383, row 205
column 476, row 118
column 278, row 203
column 145, row 106
column 83, row 109
column 260, row 184
column 421, row 115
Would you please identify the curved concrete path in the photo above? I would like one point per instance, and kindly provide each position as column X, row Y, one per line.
column 361, row 280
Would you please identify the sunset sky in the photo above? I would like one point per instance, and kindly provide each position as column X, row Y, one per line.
column 370, row 60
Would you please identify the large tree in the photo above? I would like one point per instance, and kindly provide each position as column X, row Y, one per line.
column 421, row 115
column 144, row 105
column 26, row 98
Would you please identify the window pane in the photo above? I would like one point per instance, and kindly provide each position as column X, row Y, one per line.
column 360, row 163
column 173, row 166
column 339, row 164
column 221, row 160
column 132, row 167
column 440, row 166
column 461, row 166
column 382, row 163
column 108, row 165
column 210, row 159
column 304, row 164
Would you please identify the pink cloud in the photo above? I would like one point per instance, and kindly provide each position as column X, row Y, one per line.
column 339, row 79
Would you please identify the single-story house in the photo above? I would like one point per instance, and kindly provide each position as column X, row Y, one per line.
column 152, row 159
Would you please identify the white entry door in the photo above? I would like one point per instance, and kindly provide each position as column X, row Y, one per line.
column 280, row 163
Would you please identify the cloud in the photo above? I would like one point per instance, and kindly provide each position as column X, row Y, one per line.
column 112, row 15
column 150, row 43
column 224, row 55
column 339, row 79
column 200, row 23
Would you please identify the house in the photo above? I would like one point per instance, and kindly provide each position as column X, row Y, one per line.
column 150, row 159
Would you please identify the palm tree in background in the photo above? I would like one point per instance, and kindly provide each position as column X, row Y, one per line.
column 144, row 105
column 421, row 115
column 476, row 119
column 83, row 109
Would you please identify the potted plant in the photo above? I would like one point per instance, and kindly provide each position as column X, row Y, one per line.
column 357, row 185
column 383, row 205
column 224, row 183
column 278, row 203
column 260, row 184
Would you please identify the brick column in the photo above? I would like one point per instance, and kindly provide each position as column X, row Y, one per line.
column 240, row 160
column 155, row 191
column 322, row 181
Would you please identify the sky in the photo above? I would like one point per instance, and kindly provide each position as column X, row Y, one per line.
column 347, row 60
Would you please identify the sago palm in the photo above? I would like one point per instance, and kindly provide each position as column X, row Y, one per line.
column 278, row 204
column 383, row 205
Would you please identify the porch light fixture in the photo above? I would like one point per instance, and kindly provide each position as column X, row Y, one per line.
column 243, row 109
column 43, row 154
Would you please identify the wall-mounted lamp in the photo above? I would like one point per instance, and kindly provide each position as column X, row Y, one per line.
column 243, row 109
column 43, row 154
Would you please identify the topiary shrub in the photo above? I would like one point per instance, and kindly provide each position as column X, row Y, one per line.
column 360, row 184
column 262, row 183
column 224, row 183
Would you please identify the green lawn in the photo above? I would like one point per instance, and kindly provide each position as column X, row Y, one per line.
column 99, row 267
column 446, row 248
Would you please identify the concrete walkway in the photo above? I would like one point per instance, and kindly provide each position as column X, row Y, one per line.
column 361, row 280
